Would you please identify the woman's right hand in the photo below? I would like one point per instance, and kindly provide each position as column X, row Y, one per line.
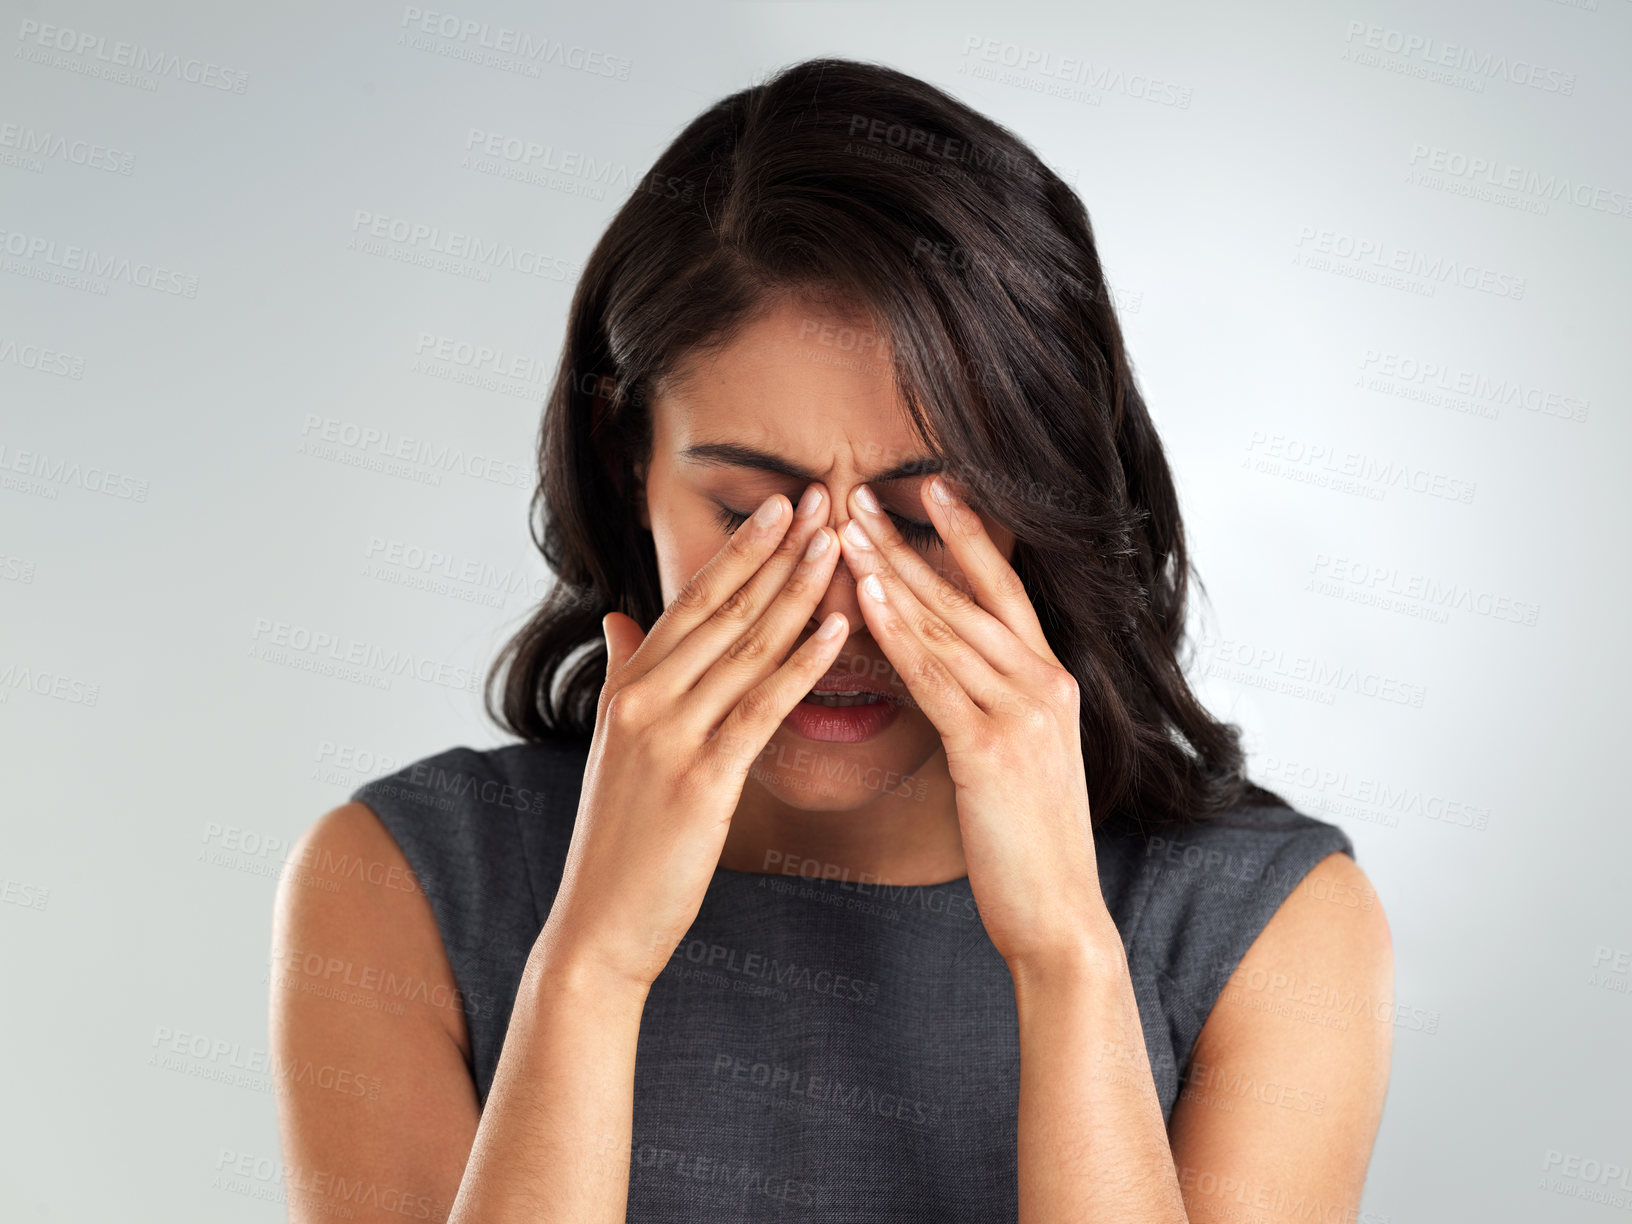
column 683, row 713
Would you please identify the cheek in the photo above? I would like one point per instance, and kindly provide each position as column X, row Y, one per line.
column 684, row 544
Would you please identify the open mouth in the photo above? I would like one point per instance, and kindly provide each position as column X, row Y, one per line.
column 840, row 700
column 842, row 716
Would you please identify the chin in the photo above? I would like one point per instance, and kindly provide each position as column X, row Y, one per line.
column 840, row 777
column 814, row 794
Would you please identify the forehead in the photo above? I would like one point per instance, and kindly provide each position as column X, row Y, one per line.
column 809, row 383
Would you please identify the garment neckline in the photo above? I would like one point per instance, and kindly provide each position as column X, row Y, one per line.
column 731, row 873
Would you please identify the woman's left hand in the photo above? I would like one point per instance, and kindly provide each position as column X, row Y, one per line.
column 977, row 663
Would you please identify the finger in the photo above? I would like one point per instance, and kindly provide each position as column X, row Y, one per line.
column 758, row 652
column 942, row 672
column 739, row 557
column 992, row 579
column 691, row 657
column 621, row 641
column 748, row 727
column 718, row 597
column 954, row 605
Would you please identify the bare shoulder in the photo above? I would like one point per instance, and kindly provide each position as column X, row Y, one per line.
column 349, row 911
column 1332, row 926
column 367, row 1024
column 1287, row 1080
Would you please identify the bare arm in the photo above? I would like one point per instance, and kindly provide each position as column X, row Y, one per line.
column 1288, row 1077
column 1284, row 1102
column 1092, row 1144
column 554, row 1140
column 683, row 714
column 362, row 993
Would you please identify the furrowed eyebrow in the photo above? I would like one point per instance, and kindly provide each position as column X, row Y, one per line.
column 732, row 454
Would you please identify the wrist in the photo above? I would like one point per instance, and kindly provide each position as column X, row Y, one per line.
column 1085, row 955
column 559, row 967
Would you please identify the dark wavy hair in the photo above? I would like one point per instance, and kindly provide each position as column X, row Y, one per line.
column 855, row 182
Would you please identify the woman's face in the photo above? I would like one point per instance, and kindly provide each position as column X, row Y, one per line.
column 808, row 391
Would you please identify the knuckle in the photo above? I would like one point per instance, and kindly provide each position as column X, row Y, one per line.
column 1010, row 585
column 801, row 580
column 934, row 630
column 740, row 549
column 952, row 597
column 931, row 672
column 738, row 606
column 749, row 648
column 693, row 594
column 803, row 583
column 756, row 705
column 627, row 707
column 1063, row 689
column 791, row 545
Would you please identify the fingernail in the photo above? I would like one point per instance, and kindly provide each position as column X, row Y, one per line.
column 856, row 535
column 817, row 546
column 940, row 492
column 873, row 587
column 769, row 512
column 866, row 500
column 809, row 502
column 832, row 626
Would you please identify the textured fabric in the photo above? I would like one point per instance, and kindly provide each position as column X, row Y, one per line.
column 829, row 1049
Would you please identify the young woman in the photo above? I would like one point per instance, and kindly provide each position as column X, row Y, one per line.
column 864, row 854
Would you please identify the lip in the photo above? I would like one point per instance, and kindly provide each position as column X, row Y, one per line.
column 848, row 676
column 841, row 725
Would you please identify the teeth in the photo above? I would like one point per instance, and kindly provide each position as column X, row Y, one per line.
column 840, row 700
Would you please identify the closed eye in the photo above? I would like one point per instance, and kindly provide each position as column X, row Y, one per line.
column 919, row 535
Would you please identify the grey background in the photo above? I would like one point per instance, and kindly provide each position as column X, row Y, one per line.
column 1434, row 670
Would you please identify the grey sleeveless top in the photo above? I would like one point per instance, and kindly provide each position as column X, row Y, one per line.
column 826, row 1049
